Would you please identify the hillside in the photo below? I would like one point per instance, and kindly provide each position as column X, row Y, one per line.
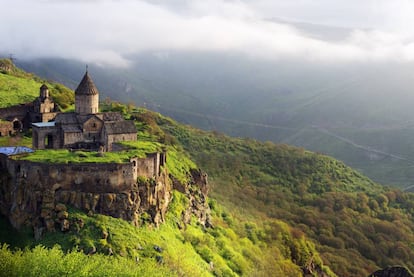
column 285, row 101
column 276, row 210
column 355, row 224
column 17, row 87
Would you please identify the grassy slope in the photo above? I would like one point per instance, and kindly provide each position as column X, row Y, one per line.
column 15, row 90
column 356, row 224
column 230, row 249
column 17, row 87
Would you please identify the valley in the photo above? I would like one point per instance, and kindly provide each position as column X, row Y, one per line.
column 301, row 212
column 274, row 101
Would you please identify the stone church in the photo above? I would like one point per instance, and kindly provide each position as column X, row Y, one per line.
column 17, row 118
column 86, row 128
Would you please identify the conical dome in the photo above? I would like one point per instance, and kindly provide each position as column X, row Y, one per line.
column 86, row 96
column 86, row 86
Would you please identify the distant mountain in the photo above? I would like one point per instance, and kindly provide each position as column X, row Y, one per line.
column 358, row 112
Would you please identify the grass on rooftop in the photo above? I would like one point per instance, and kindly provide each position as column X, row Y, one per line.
column 64, row 156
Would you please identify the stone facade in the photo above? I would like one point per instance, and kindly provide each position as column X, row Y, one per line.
column 107, row 188
column 44, row 108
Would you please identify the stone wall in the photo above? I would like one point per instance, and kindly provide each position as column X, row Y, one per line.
column 18, row 112
column 87, row 104
column 112, row 138
column 45, row 137
column 6, row 128
column 38, row 194
column 30, row 188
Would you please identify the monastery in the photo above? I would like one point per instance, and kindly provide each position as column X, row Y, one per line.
column 86, row 127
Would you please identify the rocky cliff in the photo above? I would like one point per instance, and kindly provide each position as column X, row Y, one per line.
column 392, row 271
column 38, row 195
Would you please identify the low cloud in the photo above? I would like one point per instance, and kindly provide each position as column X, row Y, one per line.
column 108, row 32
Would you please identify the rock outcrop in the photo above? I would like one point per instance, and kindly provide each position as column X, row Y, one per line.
column 392, row 271
column 6, row 65
column 38, row 195
column 196, row 191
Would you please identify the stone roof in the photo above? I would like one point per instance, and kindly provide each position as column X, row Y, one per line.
column 120, row 127
column 112, row 116
column 43, row 87
column 66, row 118
column 86, row 86
column 71, row 129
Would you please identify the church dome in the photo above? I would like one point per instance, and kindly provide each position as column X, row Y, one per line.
column 86, row 86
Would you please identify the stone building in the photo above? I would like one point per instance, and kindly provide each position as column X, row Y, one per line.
column 18, row 118
column 44, row 109
column 86, row 128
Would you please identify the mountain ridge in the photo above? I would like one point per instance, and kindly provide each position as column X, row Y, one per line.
column 278, row 101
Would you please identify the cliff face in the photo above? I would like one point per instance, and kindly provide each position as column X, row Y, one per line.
column 38, row 195
column 196, row 191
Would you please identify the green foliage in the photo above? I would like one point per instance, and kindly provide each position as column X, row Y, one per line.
column 192, row 251
column 179, row 164
column 18, row 140
column 18, row 87
column 17, row 90
column 63, row 96
column 356, row 225
column 41, row 261
column 112, row 106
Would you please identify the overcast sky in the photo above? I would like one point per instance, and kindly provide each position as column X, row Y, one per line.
column 108, row 31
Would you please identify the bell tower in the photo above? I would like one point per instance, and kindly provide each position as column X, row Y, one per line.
column 44, row 92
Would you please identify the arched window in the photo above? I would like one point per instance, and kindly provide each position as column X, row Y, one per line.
column 17, row 125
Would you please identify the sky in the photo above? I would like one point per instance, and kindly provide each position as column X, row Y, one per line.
column 111, row 31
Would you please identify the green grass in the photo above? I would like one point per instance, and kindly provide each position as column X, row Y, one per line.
column 19, row 140
column 17, row 90
column 343, row 212
column 18, row 87
column 64, row 156
column 179, row 164
column 41, row 261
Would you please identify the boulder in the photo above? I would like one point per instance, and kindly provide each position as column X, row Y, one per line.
column 392, row 271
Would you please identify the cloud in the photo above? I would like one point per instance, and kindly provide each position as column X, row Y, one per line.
column 107, row 32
